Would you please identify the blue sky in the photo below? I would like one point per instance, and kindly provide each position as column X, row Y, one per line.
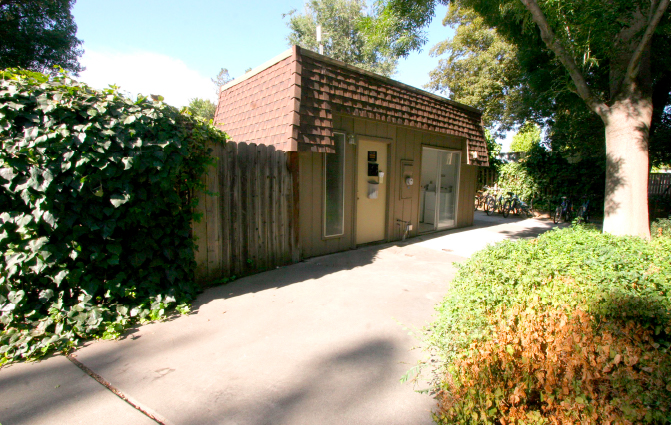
column 147, row 39
column 173, row 48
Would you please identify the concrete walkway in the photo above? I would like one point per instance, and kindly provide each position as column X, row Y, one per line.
column 320, row 342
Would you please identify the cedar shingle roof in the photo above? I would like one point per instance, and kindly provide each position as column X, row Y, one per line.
column 290, row 101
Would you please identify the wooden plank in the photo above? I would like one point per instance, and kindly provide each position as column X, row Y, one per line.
column 261, row 260
column 213, row 219
column 294, row 205
column 272, row 210
column 199, row 234
column 278, row 216
column 225, row 202
column 243, row 165
column 236, row 242
column 265, row 172
column 282, row 206
column 305, row 204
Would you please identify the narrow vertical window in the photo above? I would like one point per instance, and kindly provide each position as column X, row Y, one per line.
column 334, row 188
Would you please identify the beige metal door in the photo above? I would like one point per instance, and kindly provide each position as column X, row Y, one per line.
column 371, row 203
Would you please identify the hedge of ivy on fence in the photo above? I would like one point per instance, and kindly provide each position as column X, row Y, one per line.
column 96, row 206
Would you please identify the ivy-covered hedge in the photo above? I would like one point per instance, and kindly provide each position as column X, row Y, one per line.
column 574, row 326
column 96, row 206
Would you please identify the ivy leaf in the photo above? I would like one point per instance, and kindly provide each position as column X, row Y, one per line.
column 15, row 297
column 118, row 199
column 46, row 295
column 114, row 248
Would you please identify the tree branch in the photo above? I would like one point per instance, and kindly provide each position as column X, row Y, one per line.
column 632, row 69
column 565, row 58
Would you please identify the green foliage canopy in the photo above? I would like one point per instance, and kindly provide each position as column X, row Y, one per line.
column 343, row 37
column 528, row 136
column 96, row 194
column 39, row 35
column 478, row 68
column 202, row 108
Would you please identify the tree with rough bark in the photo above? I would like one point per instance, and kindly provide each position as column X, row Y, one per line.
column 605, row 51
column 39, row 35
column 343, row 38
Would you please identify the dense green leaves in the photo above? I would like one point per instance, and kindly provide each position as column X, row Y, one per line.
column 528, row 136
column 38, row 35
column 343, row 37
column 202, row 108
column 613, row 277
column 96, row 200
column 478, row 68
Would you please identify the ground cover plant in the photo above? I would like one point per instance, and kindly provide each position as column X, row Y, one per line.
column 574, row 326
column 95, row 211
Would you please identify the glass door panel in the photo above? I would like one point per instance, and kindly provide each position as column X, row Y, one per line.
column 449, row 185
column 439, row 190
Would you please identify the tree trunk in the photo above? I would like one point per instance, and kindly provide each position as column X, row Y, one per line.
column 626, row 204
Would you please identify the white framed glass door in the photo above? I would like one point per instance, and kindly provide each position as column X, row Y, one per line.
column 440, row 189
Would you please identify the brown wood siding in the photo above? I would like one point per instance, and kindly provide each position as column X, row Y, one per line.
column 406, row 144
column 311, row 205
column 467, row 187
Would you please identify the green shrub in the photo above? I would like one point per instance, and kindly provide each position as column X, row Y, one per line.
column 95, row 191
column 513, row 177
column 614, row 280
column 661, row 227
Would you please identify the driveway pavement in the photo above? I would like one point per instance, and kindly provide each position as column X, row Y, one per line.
column 319, row 342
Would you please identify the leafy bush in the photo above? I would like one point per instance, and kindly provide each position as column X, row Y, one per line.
column 661, row 227
column 96, row 211
column 548, row 176
column 513, row 177
column 513, row 309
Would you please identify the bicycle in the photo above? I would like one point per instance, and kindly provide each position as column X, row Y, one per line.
column 563, row 211
column 516, row 206
column 583, row 211
column 495, row 203
column 481, row 197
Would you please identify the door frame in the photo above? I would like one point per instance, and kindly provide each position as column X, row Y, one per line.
column 456, row 200
column 355, row 187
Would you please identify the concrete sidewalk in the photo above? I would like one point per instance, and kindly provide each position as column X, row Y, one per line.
column 319, row 342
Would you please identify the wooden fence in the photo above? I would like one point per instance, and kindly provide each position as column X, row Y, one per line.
column 487, row 177
column 248, row 222
column 658, row 183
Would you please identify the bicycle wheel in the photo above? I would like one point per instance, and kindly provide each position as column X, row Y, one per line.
column 507, row 206
column 477, row 202
column 491, row 206
column 557, row 215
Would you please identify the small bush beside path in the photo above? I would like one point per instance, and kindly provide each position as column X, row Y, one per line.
column 574, row 326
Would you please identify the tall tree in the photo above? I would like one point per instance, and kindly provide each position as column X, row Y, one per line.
column 38, row 35
column 605, row 52
column 479, row 68
column 202, row 108
column 528, row 136
column 343, row 37
column 220, row 80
